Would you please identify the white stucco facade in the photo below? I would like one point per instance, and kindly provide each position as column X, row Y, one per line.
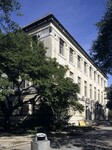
column 62, row 46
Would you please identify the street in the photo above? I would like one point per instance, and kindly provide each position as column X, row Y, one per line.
column 99, row 139
column 28, row 147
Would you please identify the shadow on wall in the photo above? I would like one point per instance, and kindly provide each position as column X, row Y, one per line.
column 95, row 112
column 99, row 111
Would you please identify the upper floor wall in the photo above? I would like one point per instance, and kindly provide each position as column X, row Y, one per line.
column 61, row 45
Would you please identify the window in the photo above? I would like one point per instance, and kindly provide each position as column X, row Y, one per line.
column 99, row 95
column 99, row 79
column 85, row 67
column 85, row 88
column 94, row 93
column 71, row 55
column 90, row 72
column 71, row 75
column 61, row 48
column 94, row 75
column 79, row 83
column 104, row 84
column 90, row 91
column 79, row 61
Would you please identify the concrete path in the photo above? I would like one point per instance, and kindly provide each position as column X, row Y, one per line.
column 99, row 139
column 28, row 147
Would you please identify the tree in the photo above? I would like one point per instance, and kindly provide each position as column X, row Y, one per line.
column 22, row 59
column 19, row 61
column 7, row 8
column 12, row 64
column 58, row 93
column 101, row 50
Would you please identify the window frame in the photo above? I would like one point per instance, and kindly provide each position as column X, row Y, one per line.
column 85, row 67
column 79, row 83
column 94, row 75
column 90, row 91
column 98, row 79
column 61, row 47
column 71, row 75
column 71, row 52
column 79, row 61
column 94, row 93
column 85, row 88
column 90, row 72
column 98, row 95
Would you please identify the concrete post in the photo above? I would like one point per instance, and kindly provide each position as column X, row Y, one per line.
column 40, row 142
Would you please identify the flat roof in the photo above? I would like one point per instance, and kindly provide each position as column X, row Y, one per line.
column 51, row 18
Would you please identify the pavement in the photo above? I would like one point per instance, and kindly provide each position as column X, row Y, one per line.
column 24, row 143
column 99, row 139
column 8, row 142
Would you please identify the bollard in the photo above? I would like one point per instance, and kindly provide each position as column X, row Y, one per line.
column 40, row 142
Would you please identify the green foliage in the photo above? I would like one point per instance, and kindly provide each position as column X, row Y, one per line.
column 99, row 111
column 102, row 47
column 58, row 92
column 4, row 89
column 22, row 59
column 13, row 48
column 7, row 7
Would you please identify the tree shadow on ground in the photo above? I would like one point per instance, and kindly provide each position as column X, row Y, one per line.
column 16, row 149
column 92, row 140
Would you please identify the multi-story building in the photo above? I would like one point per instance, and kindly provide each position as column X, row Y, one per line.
column 62, row 46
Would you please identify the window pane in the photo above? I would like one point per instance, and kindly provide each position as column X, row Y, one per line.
column 94, row 93
column 71, row 55
column 61, row 48
column 99, row 95
column 90, row 91
column 79, row 61
column 85, row 67
column 79, row 83
column 71, row 75
column 90, row 72
column 85, row 88
column 94, row 75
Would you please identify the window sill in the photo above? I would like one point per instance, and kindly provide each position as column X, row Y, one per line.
column 72, row 63
column 62, row 56
column 79, row 69
column 86, row 74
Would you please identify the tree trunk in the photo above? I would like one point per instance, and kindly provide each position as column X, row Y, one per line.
column 7, row 121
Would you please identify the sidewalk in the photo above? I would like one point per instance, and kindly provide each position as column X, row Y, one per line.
column 100, row 139
column 7, row 142
column 24, row 143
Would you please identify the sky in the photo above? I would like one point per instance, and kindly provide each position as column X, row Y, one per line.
column 77, row 16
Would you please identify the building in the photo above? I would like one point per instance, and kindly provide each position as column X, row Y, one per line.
column 62, row 46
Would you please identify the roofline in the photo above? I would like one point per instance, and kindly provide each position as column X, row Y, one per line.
column 52, row 18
